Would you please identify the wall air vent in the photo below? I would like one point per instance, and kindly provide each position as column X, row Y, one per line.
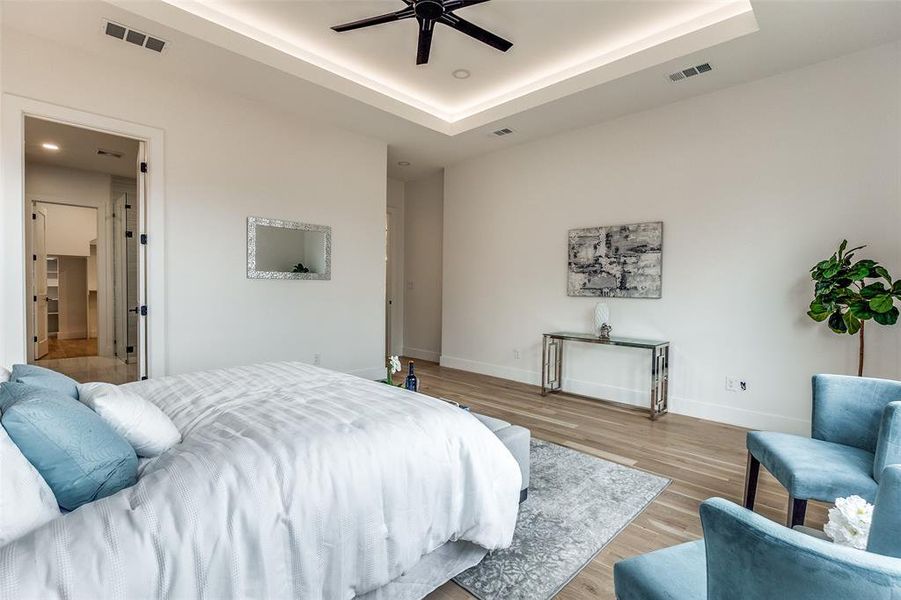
column 109, row 153
column 689, row 72
column 126, row 34
column 502, row 132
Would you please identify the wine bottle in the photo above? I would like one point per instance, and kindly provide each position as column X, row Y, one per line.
column 412, row 381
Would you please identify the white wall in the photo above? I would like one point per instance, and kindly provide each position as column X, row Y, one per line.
column 754, row 184
column 70, row 229
column 423, row 224
column 396, row 203
column 222, row 166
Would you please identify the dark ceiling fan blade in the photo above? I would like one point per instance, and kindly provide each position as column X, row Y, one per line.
column 426, row 28
column 405, row 13
column 452, row 5
column 464, row 26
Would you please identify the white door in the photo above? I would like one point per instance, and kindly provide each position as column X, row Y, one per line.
column 120, row 278
column 140, row 249
column 394, row 277
column 39, row 303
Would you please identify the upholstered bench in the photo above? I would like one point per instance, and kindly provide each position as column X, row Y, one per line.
column 516, row 439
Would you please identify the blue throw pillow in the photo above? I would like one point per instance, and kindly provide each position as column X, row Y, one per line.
column 45, row 378
column 79, row 456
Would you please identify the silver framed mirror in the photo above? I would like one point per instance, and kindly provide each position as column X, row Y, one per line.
column 278, row 249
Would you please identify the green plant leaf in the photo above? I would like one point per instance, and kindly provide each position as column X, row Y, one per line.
column 887, row 318
column 832, row 270
column 896, row 287
column 842, row 246
column 861, row 270
column 883, row 272
column 851, row 252
column 852, row 323
column 861, row 310
column 837, row 322
column 823, row 287
column 873, row 290
column 882, row 303
column 818, row 317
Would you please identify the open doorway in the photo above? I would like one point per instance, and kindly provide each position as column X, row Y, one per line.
column 85, row 271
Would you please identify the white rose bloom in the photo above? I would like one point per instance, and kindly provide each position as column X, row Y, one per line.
column 849, row 522
column 394, row 363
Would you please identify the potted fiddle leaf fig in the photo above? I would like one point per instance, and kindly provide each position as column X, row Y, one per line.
column 848, row 294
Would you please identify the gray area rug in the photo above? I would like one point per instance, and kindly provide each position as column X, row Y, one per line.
column 577, row 503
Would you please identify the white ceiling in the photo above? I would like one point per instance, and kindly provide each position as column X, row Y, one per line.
column 78, row 148
column 792, row 34
column 560, row 46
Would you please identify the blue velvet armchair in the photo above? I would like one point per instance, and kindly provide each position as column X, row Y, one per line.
column 744, row 555
column 856, row 432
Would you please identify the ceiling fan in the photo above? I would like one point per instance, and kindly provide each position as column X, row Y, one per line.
column 429, row 12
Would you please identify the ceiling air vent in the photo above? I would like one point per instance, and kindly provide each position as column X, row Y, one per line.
column 109, row 153
column 689, row 72
column 502, row 132
column 121, row 32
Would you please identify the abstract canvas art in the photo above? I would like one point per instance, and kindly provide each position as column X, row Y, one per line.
column 621, row 261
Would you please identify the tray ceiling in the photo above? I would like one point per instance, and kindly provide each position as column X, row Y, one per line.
column 560, row 47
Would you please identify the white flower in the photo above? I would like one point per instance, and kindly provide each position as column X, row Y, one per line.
column 849, row 522
column 394, row 364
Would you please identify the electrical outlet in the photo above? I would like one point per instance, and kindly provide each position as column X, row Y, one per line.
column 516, row 354
column 317, row 359
column 736, row 384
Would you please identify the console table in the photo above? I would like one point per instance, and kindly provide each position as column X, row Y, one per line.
column 552, row 364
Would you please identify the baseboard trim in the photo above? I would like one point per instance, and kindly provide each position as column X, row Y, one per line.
column 72, row 335
column 422, row 354
column 678, row 405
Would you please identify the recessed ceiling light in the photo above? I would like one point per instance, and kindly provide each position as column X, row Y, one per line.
column 403, row 163
column 49, row 146
column 461, row 74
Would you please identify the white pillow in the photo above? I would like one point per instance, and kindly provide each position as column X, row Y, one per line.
column 26, row 501
column 5, row 374
column 142, row 423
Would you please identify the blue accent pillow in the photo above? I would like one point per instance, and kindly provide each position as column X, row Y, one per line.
column 45, row 378
column 79, row 456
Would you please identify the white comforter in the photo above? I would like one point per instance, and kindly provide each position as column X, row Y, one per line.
column 291, row 482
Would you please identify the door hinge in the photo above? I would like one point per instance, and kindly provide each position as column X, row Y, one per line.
column 143, row 167
column 35, row 338
column 34, row 217
column 144, row 311
column 34, row 299
column 143, row 239
column 128, row 206
column 129, row 234
column 129, row 349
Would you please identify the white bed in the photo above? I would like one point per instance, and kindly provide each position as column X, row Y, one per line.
column 291, row 482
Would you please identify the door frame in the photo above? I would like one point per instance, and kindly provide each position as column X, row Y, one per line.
column 104, row 264
column 14, row 321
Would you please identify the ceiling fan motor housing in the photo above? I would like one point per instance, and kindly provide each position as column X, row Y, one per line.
column 428, row 9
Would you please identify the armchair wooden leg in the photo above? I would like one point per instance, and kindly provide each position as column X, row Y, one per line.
column 797, row 509
column 751, row 474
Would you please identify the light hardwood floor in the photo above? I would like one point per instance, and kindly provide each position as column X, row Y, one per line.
column 702, row 458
